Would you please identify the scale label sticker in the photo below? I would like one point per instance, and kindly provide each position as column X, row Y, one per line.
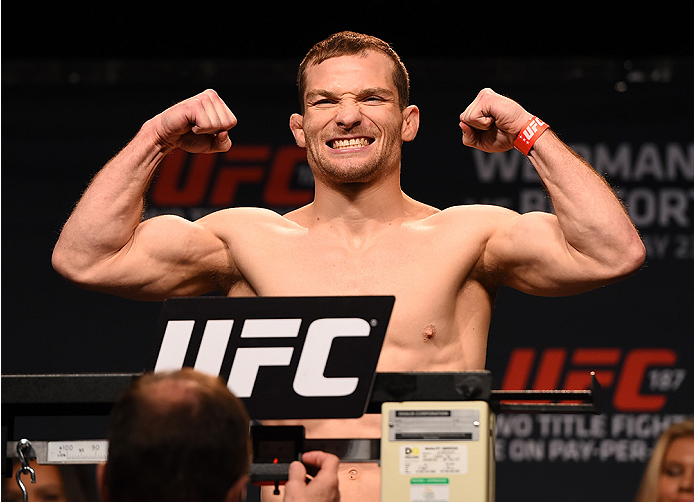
column 434, row 425
column 74, row 452
column 433, row 460
column 430, row 490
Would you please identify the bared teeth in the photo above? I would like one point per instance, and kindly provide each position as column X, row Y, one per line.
column 350, row 143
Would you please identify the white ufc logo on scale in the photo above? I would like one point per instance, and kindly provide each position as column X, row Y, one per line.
column 309, row 380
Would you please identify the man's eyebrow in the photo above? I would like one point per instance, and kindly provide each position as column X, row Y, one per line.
column 316, row 93
column 380, row 91
column 369, row 91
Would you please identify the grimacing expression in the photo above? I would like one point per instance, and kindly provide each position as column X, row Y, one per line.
column 353, row 127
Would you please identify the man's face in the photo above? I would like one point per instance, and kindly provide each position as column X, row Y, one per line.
column 352, row 127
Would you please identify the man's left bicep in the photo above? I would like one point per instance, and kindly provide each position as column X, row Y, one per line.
column 533, row 256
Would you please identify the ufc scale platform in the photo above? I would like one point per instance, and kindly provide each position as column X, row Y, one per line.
column 304, row 358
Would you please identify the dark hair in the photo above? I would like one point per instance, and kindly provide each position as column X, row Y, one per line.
column 349, row 43
column 191, row 447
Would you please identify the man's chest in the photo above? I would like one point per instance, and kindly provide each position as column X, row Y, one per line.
column 306, row 266
column 435, row 298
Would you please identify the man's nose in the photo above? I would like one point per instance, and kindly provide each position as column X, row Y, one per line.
column 348, row 114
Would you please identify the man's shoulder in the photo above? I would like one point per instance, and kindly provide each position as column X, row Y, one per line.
column 241, row 214
column 474, row 214
column 246, row 220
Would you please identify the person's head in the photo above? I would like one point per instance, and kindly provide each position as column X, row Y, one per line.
column 176, row 437
column 669, row 474
column 348, row 43
column 355, row 115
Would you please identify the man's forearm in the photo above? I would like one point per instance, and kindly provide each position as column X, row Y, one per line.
column 107, row 214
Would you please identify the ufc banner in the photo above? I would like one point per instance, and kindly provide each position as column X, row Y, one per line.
column 299, row 357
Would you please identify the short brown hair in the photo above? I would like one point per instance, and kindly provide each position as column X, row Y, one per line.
column 189, row 449
column 349, row 43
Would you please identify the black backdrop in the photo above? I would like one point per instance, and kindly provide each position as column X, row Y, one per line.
column 76, row 89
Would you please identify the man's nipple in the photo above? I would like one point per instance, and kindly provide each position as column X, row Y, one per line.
column 429, row 332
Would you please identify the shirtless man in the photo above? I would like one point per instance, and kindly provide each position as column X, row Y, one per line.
column 361, row 234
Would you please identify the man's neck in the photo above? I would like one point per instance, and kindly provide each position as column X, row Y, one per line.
column 357, row 203
column 355, row 213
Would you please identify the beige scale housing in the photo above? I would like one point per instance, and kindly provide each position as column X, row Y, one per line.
column 439, row 451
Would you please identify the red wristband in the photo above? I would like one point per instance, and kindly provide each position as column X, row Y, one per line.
column 529, row 134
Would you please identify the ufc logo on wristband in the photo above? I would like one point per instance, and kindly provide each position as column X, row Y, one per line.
column 529, row 134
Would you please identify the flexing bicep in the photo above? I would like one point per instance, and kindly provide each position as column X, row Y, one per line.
column 530, row 253
column 166, row 256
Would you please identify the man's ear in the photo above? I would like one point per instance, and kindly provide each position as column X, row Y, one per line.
column 101, row 481
column 296, row 124
column 410, row 123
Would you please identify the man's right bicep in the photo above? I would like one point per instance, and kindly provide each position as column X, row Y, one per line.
column 167, row 256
